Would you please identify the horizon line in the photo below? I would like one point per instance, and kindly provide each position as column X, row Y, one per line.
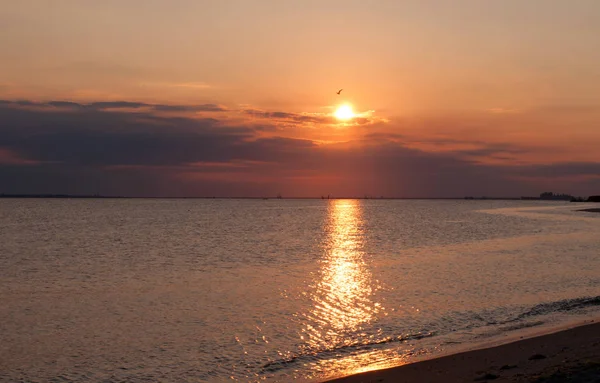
column 99, row 196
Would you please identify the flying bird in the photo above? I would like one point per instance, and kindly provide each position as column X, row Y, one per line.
column 339, row 91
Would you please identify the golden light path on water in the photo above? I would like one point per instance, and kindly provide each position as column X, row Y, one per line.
column 343, row 299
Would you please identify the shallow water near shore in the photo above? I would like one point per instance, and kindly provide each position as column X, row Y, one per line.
column 279, row 290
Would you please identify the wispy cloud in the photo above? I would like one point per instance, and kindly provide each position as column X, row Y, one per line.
column 364, row 118
column 503, row 111
column 107, row 105
column 9, row 157
column 193, row 85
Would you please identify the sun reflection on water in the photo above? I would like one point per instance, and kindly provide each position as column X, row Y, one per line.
column 343, row 298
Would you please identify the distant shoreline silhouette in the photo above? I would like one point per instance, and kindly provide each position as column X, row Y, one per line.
column 57, row 196
column 277, row 197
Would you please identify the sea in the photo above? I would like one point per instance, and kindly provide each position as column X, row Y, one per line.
column 280, row 290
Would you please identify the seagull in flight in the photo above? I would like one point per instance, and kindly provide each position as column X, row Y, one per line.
column 339, row 91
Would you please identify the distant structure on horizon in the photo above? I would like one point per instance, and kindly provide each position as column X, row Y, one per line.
column 549, row 196
column 556, row 197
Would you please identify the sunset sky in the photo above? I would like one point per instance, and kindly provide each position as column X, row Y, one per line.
column 238, row 98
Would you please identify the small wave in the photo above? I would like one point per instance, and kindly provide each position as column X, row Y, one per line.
column 328, row 353
column 560, row 306
column 508, row 315
column 521, row 326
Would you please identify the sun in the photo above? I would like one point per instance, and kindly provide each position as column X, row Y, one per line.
column 344, row 113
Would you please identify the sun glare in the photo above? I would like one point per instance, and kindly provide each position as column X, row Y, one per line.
column 344, row 112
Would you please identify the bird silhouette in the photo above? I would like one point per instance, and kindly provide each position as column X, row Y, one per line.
column 339, row 91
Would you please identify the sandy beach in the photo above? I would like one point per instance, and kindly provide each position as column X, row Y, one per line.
column 571, row 355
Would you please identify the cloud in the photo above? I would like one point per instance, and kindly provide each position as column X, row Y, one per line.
column 104, row 105
column 503, row 111
column 567, row 169
column 316, row 118
column 312, row 118
column 129, row 148
column 9, row 157
column 192, row 85
column 93, row 137
column 491, row 150
column 189, row 108
column 185, row 85
column 114, row 105
column 62, row 104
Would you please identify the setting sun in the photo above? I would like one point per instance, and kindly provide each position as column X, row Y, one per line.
column 344, row 112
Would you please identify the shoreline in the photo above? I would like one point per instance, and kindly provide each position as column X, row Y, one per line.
column 548, row 357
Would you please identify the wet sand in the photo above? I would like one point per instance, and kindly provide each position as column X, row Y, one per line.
column 571, row 355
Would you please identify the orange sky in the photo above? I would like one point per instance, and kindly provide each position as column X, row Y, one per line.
column 496, row 83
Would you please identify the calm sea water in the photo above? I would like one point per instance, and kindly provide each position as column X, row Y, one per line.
column 278, row 290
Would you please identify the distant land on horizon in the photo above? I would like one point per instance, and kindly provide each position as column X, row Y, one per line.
column 98, row 196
